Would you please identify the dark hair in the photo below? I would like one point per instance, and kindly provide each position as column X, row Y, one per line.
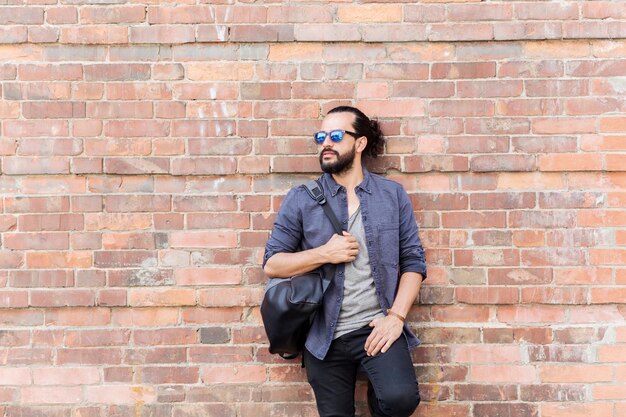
column 363, row 126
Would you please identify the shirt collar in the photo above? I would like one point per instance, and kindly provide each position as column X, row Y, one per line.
column 334, row 188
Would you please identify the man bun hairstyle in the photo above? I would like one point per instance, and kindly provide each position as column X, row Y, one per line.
column 363, row 126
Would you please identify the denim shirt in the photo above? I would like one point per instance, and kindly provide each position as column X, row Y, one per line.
column 393, row 244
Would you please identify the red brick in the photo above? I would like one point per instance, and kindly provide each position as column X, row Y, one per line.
column 605, row 67
column 36, row 204
column 478, row 12
column 575, row 276
column 481, row 392
column 531, row 69
column 181, row 14
column 230, row 297
column 601, row 218
column 161, row 297
column 77, row 316
column 22, row 317
column 532, row 107
column 554, row 256
column 473, row 219
column 70, row 259
column 36, row 128
column 34, row 279
column 606, row 295
column 61, row 298
column 136, row 128
column 207, row 276
column 525, row 238
column 460, row 313
column 570, row 200
column 531, row 314
column 551, row 392
column 495, row 201
column 117, row 221
column 541, row 219
column 22, row 15
column 94, row 35
column 147, row 316
column 119, row 110
column 590, row 30
column 461, row 108
column 435, row 163
column 531, row 11
column 578, row 237
column 472, row 295
column 118, row 374
column 519, row 409
column 461, row 32
column 54, row 395
column 575, row 373
column 61, row 15
column 13, row 299
column 169, row 375
column 236, row 374
column 491, row 238
column 50, row 72
column 612, row 124
column 513, row 276
column 558, row 88
column 168, row 34
column 503, row 373
column 535, row 335
column 565, row 295
column 499, row 125
column 213, row 315
column 65, row 376
column 480, row 144
column 592, row 105
column 112, row 14
column 411, row 89
column 528, row 30
column 120, row 394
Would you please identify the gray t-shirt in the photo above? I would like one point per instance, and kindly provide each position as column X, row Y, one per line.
column 360, row 303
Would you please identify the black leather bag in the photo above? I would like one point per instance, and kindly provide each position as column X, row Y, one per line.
column 290, row 304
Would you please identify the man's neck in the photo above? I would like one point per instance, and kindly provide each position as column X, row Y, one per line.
column 350, row 178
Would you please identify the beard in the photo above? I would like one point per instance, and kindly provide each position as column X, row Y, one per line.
column 342, row 164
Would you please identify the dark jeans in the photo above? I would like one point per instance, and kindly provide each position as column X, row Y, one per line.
column 393, row 389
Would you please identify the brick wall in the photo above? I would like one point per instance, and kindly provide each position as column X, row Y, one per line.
column 147, row 146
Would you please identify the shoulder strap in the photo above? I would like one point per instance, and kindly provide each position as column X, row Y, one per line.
column 315, row 190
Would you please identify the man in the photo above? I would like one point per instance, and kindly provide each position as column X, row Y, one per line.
column 377, row 268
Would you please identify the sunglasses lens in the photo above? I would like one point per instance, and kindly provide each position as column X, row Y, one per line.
column 336, row 135
column 320, row 137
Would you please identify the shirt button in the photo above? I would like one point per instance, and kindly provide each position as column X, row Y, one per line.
column 332, row 324
column 364, row 217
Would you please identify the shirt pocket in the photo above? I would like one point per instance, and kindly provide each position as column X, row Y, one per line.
column 389, row 244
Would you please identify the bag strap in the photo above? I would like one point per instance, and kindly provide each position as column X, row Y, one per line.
column 315, row 190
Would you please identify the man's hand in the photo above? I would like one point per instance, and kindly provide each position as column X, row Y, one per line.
column 386, row 331
column 341, row 249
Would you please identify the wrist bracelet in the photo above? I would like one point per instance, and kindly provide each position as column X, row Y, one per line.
column 393, row 313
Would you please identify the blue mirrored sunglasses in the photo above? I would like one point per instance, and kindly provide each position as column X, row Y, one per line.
column 335, row 136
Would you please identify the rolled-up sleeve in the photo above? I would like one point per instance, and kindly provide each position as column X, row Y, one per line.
column 287, row 231
column 412, row 256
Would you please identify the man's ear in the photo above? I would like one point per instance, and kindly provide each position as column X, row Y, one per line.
column 362, row 143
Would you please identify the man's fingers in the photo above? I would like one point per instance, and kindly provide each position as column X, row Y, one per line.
column 386, row 347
